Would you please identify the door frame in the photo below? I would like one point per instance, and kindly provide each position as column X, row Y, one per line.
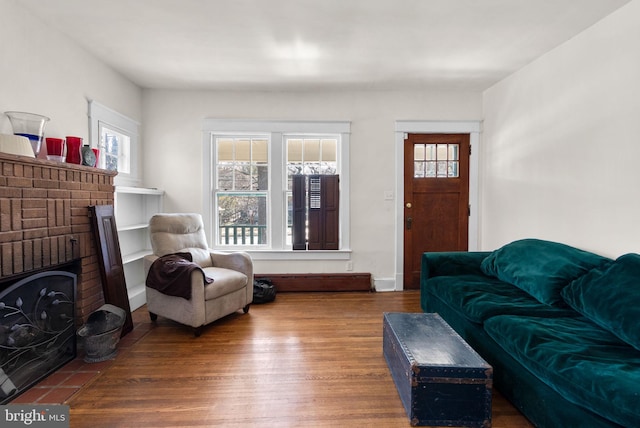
column 402, row 127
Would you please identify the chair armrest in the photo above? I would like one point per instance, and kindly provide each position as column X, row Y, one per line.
column 239, row 261
column 147, row 261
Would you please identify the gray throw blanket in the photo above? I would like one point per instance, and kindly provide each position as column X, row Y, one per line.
column 171, row 275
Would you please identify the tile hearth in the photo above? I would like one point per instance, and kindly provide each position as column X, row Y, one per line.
column 61, row 385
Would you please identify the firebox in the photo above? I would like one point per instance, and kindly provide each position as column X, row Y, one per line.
column 37, row 330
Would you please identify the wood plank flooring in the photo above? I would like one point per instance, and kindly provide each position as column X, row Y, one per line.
column 305, row 360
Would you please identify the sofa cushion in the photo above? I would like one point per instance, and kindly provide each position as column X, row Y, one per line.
column 478, row 297
column 541, row 268
column 586, row 364
column 610, row 297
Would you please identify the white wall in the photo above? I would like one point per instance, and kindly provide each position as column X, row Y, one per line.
column 561, row 143
column 172, row 126
column 43, row 72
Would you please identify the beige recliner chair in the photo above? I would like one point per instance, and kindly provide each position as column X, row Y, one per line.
column 232, row 273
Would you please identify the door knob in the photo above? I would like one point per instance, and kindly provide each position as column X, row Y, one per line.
column 409, row 223
column 408, row 205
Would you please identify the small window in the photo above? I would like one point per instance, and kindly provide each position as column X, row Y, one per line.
column 115, row 149
column 116, row 136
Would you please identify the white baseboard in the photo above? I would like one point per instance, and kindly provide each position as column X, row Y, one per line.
column 137, row 297
column 384, row 284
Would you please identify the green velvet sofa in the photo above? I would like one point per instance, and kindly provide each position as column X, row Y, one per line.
column 559, row 325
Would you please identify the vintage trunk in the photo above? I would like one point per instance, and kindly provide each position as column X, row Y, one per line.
column 441, row 380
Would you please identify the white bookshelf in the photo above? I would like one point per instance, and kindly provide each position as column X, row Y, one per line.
column 133, row 208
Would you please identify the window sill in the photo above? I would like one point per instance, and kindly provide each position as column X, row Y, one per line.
column 297, row 255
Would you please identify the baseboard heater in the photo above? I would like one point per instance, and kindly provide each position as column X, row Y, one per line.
column 320, row 281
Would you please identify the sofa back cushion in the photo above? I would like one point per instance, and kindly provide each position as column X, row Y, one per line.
column 541, row 268
column 610, row 297
column 479, row 297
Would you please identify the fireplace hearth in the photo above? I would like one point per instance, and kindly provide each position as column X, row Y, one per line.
column 37, row 330
column 45, row 226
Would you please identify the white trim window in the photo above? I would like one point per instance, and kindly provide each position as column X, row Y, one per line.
column 248, row 166
column 307, row 155
column 116, row 137
column 241, row 189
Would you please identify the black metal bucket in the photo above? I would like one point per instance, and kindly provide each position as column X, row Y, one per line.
column 101, row 333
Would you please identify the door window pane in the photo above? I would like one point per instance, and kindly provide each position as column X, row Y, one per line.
column 436, row 160
column 431, row 152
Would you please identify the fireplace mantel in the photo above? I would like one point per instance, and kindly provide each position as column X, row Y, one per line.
column 44, row 221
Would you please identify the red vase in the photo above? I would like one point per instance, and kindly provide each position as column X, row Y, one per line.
column 73, row 150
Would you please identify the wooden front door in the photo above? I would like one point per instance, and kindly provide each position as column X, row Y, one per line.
column 436, row 198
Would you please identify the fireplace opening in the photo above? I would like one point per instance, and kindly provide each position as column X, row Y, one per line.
column 37, row 330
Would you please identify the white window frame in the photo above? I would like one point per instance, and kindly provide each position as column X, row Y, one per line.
column 276, row 131
column 214, row 191
column 100, row 115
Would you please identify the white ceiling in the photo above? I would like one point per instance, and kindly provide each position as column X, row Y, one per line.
column 300, row 44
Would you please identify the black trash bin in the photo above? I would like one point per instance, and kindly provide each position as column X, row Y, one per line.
column 101, row 333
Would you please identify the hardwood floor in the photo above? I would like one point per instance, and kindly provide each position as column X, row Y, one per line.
column 305, row 360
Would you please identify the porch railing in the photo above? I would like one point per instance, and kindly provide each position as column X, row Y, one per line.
column 243, row 234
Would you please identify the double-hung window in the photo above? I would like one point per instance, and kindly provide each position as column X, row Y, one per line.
column 241, row 189
column 308, row 155
column 248, row 178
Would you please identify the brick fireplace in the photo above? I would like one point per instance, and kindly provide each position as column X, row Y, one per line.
column 45, row 224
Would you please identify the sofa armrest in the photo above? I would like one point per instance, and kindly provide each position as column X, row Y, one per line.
column 452, row 263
